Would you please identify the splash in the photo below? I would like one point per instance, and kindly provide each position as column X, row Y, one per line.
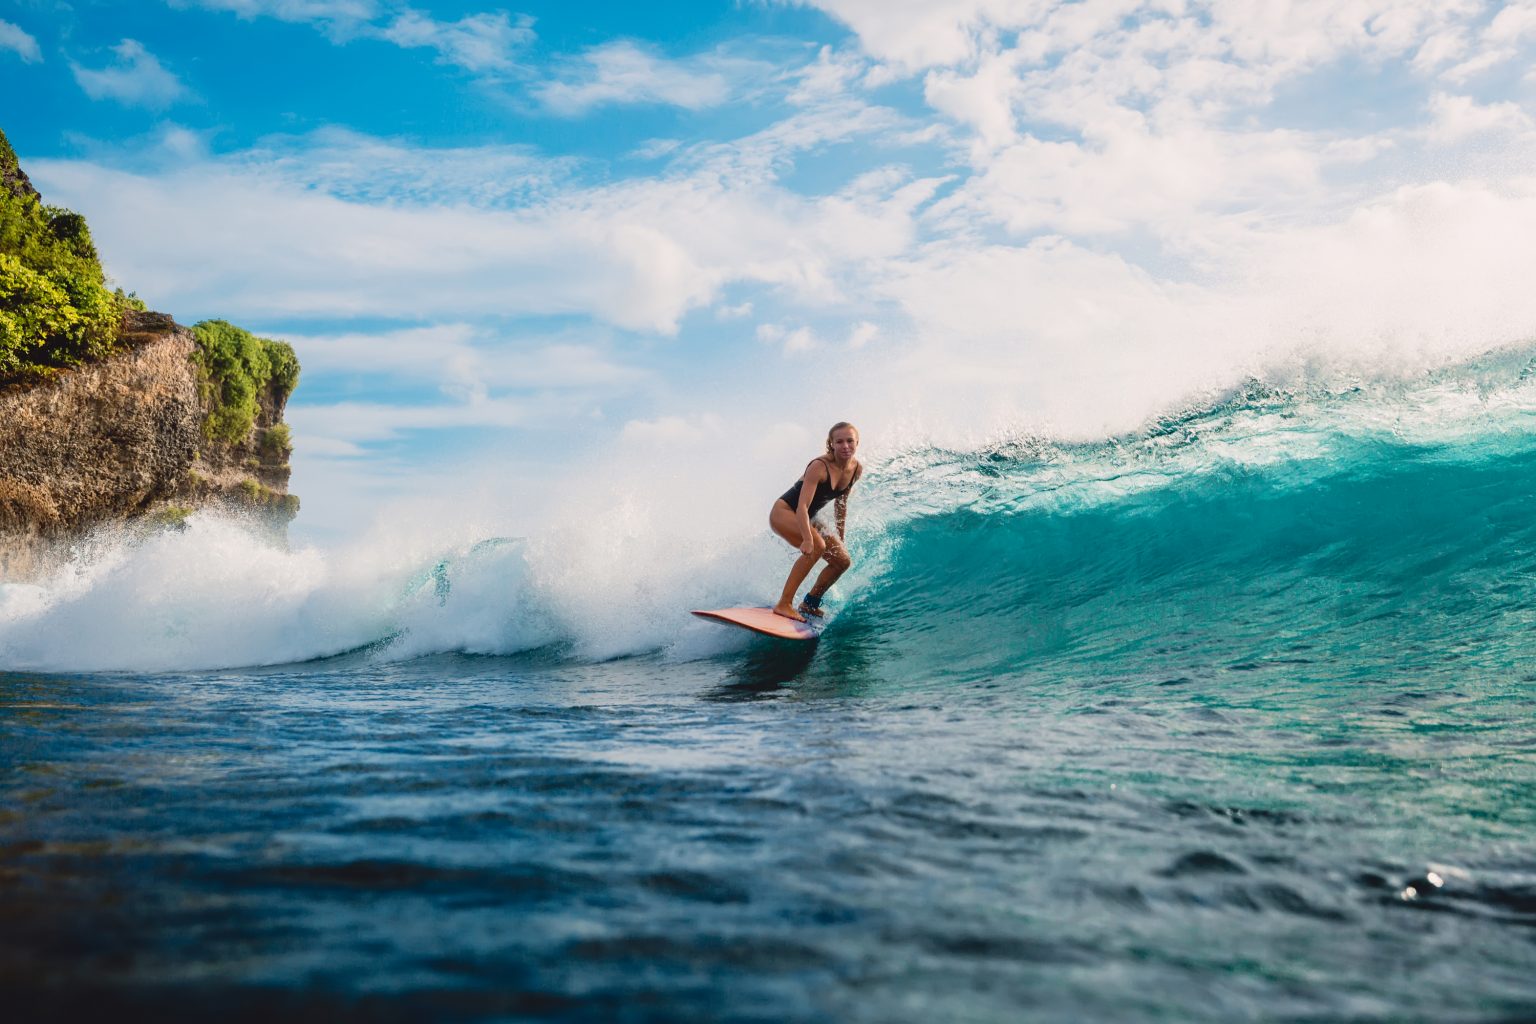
column 1282, row 507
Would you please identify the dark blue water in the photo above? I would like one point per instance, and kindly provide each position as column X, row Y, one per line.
column 1153, row 730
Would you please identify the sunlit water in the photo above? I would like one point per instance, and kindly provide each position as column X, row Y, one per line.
column 1235, row 719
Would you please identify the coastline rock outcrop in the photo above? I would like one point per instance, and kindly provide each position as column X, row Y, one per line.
column 113, row 414
column 123, row 439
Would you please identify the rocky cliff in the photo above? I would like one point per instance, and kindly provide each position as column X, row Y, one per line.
column 124, row 439
column 110, row 414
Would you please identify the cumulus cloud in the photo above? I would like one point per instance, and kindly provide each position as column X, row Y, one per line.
column 19, row 42
column 624, row 73
column 982, row 99
column 135, row 79
column 916, row 34
column 1458, row 118
column 638, row 255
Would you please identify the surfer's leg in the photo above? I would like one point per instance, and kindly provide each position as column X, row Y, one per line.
column 797, row 574
column 786, row 524
column 837, row 564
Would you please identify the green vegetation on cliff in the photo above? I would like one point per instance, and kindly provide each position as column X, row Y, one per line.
column 238, row 369
column 55, row 308
column 259, row 496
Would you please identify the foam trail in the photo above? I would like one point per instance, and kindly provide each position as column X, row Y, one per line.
column 219, row 594
column 214, row 595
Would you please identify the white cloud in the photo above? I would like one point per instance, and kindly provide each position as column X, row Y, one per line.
column 361, row 422
column 672, row 431
column 916, row 34
column 136, row 79
column 463, row 359
column 331, row 12
column 478, row 43
column 623, row 73
column 764, row 154
column 1458, row 118
column 982, row 99
column 483, row 44
column 832, row 74
column 1170, row 54
column 362, row 168
column 1131, row 177
column 638, row 255
column 1515, row 23
column 1498, row 43
column 1441, row 49
column 1057, row 337
column 19, row 42
column 862, row 334
column 789, row 341
column 799, row 340
column 655, row 149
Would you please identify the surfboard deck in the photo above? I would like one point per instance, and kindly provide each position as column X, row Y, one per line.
column 762, row 620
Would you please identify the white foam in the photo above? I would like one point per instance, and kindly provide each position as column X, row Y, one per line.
column 221, row 594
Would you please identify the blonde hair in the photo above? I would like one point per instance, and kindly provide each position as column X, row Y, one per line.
column 841, row 425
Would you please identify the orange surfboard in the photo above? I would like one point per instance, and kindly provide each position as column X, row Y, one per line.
column 762, row 620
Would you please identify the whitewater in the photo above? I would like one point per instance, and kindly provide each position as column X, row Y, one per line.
column 1226, row 717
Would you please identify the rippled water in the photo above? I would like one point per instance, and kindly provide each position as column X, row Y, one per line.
column 774, row 836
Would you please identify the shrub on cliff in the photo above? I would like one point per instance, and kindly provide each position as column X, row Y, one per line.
column 238, row 368
column 55, row 309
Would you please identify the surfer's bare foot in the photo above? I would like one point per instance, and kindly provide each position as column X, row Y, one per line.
column 788, row 612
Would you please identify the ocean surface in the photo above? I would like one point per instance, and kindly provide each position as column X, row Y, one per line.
column 1232, row 718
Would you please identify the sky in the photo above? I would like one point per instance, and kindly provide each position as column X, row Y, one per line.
column 528, row 247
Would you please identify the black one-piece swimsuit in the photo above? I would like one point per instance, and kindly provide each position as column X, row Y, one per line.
column 824, row 492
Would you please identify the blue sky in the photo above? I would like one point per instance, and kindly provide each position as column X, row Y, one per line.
column 519, row 243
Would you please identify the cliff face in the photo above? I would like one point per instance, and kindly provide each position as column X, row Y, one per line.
column 123, row 439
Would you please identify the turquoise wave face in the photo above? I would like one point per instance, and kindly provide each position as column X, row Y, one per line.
column 1363, row 556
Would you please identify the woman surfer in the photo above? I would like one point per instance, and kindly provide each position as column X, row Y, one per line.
column 827, row 478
